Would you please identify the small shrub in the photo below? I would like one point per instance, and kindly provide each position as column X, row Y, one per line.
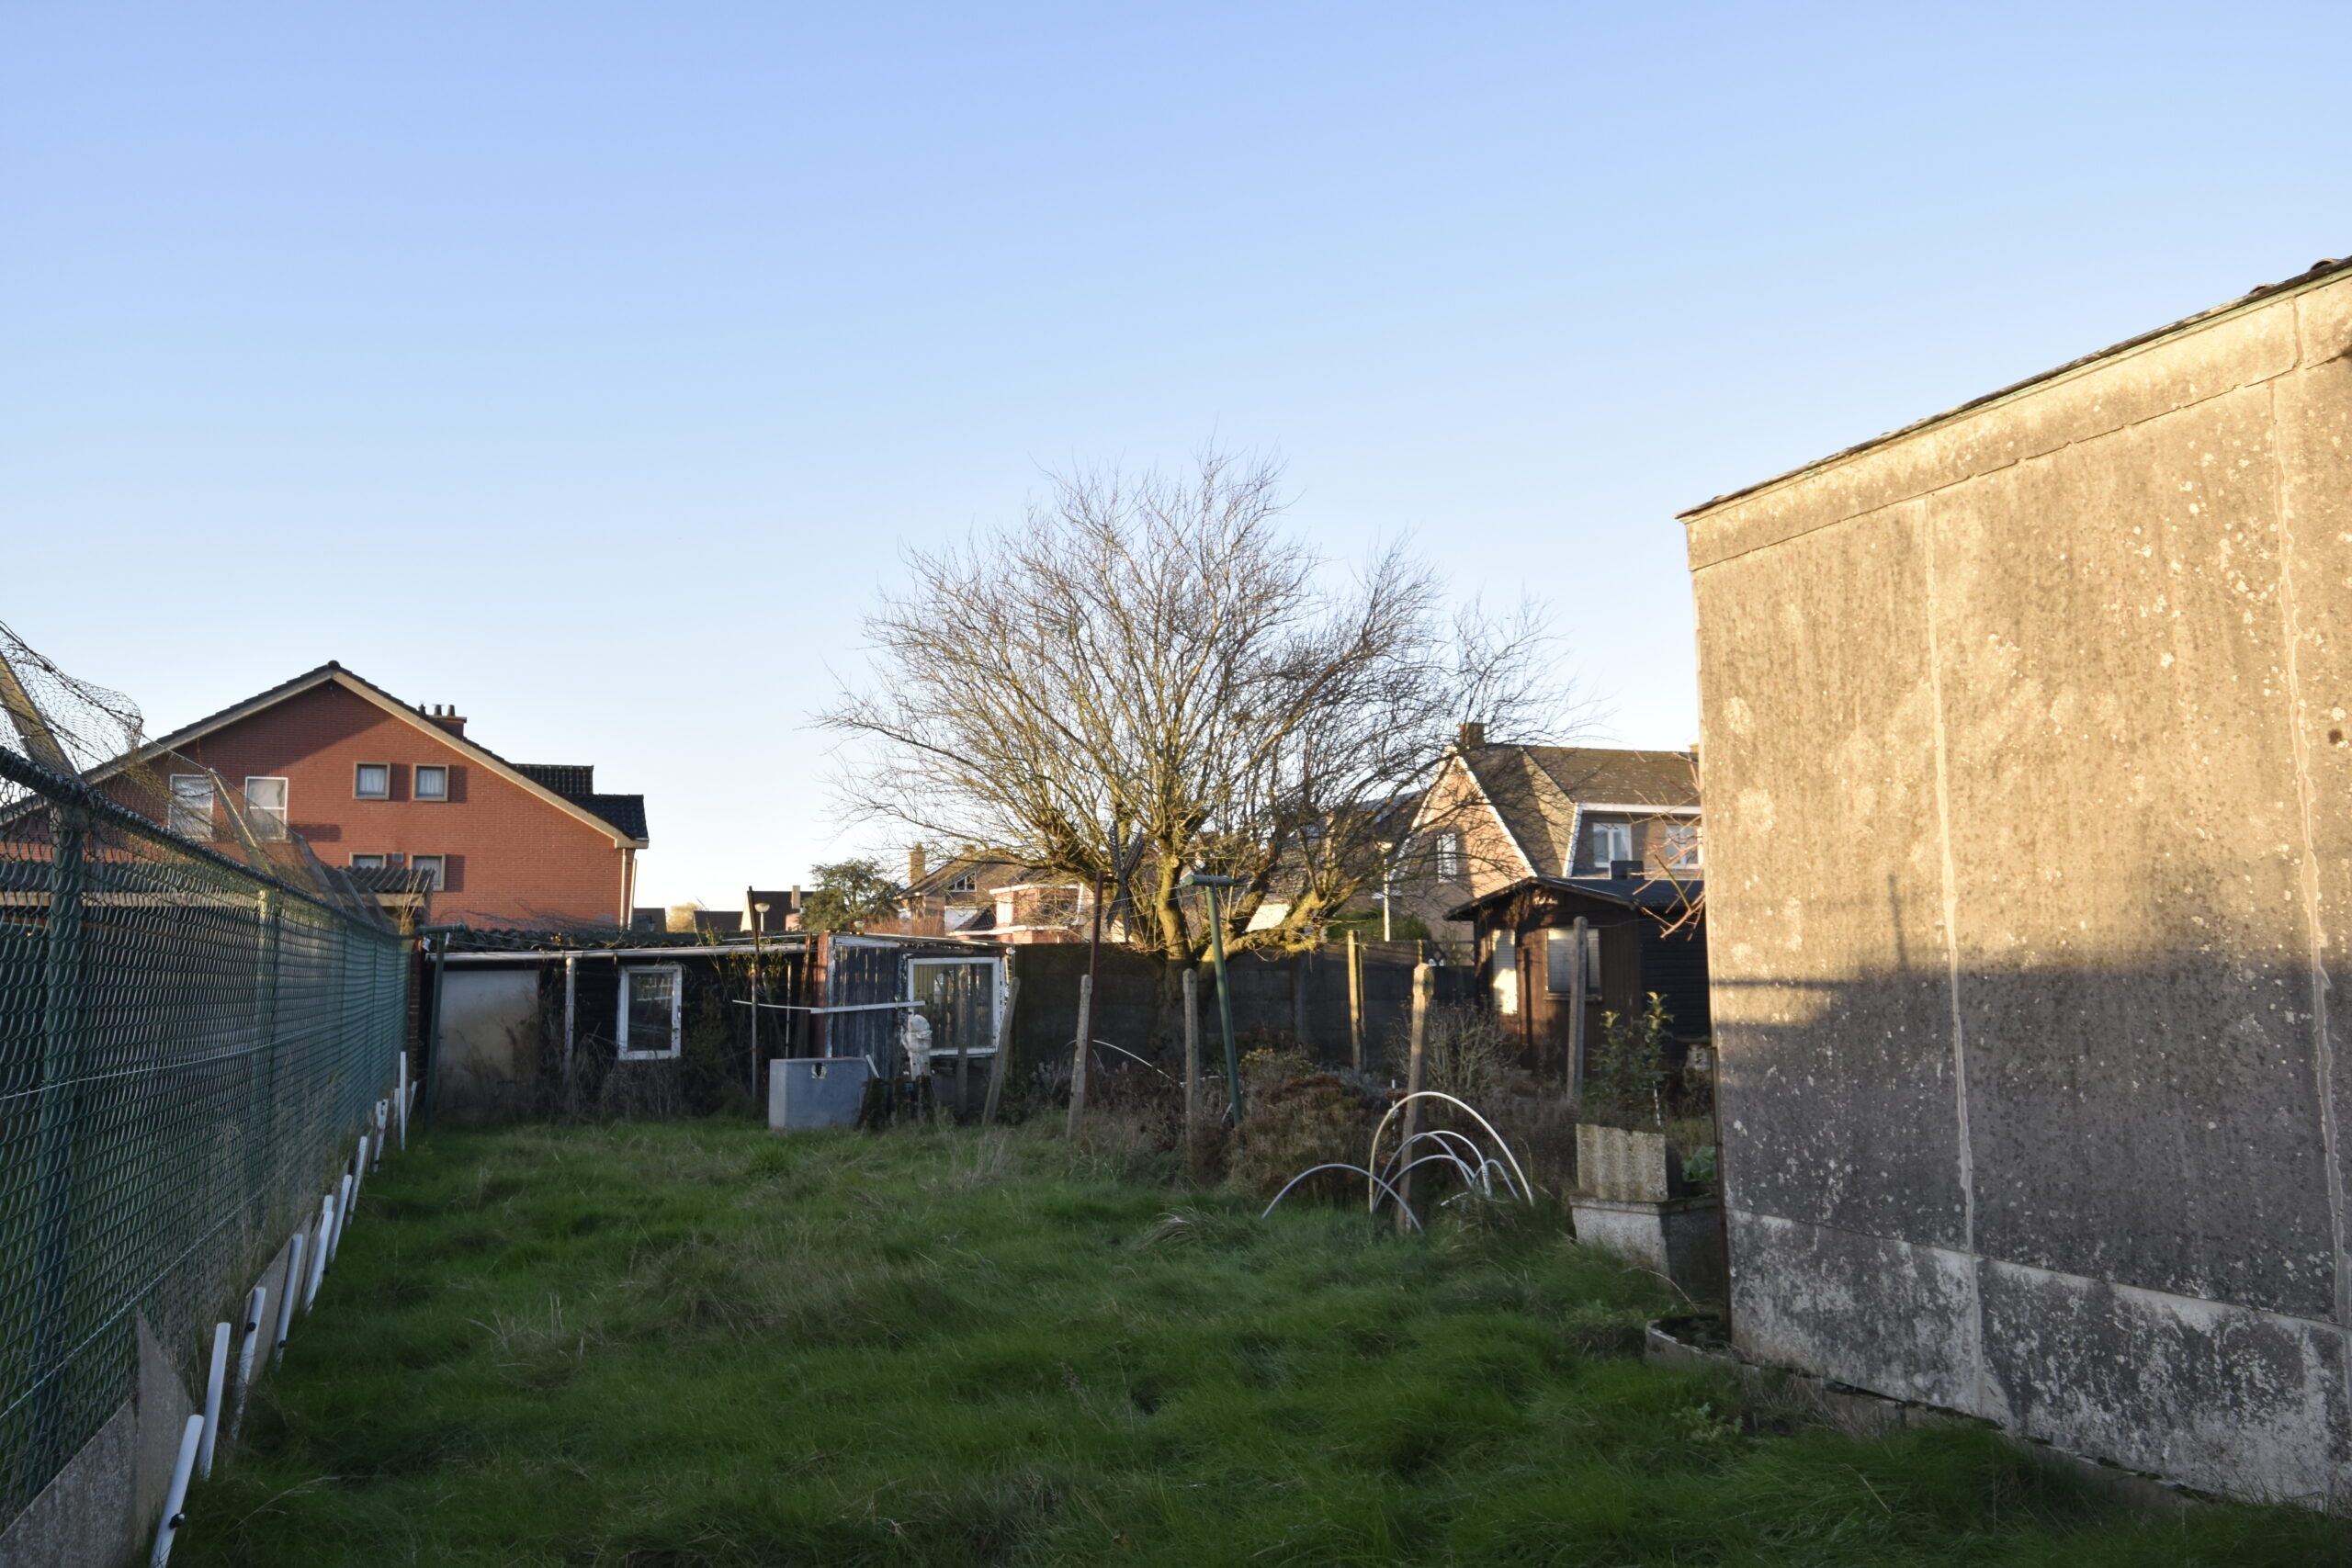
column 1626, row 1083
column 1305, row 1122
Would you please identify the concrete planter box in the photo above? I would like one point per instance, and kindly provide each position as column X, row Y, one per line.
column 1681, row 1238
column 1627, row 1167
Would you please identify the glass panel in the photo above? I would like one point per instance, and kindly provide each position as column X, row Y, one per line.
column 432, row 783
column 191, row 805
column 265, row 806
column 375, row 780
column 650, row 994
column 959, row 1000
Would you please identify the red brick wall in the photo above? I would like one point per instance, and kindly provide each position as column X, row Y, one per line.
column 514, row 858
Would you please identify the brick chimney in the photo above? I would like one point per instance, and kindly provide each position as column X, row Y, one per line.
column 1472, row 736
column 915, row 864
column 445, row 715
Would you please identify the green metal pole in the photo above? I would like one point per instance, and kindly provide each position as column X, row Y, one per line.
column 1224, row 1004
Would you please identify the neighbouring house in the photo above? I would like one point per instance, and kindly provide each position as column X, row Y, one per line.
column 1643, row 933
column 2026, row 762
column 991, row 897
column 782, row 914
column 1500, row 815
column 375, row 784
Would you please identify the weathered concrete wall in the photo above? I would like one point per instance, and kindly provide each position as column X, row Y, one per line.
column 2029, row 806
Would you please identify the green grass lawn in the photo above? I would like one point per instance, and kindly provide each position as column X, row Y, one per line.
column 674, row 1346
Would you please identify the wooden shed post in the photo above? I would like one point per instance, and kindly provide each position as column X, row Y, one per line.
column 1409, row 1188
column 1575, row 1075
column 1004, row 1045
column 1355, row 1003
column 1077, row 1058
column 1191, row 1060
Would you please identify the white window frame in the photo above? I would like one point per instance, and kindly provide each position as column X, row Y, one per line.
column 367, row 863
column 966, row 883
column 1674, row 854
column 677, row 1011
column 272, row 824
column 1556, row 937
column 1449, row 857
column 416, row 781
column 1601, row 861
column 180, row 816
column 359, row 790
column 995, row 967
column 440, row 869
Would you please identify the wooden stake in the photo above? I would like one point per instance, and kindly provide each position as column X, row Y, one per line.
column 1191, row 1059
column 1355, row 1003
column 1576, row 1010
column 1004, row 1048
column 1409, row 1190
column 1077, row 1058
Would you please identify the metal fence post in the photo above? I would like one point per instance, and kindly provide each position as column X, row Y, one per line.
column 53, row 1162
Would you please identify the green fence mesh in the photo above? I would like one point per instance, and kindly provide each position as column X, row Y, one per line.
column 191, row 1038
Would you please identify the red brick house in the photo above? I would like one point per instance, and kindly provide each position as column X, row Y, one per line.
column 374, row 784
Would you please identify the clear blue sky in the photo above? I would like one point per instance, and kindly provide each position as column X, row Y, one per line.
column 587, row 367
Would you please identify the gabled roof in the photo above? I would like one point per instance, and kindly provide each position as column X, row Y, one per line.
column 1539, row 793
column 622, row 816
column 1658, row 894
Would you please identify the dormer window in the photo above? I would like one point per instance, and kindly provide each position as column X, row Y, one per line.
column 1681, row 851
column 1611, row 841
column 964, row 882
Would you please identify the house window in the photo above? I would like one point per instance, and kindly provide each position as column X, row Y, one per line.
column 191, row 816
column 1683, row 851
column 1559, row 950
column 432, row 865
column 265, row 806
column 649, row 1012
column 372, row 780
column 1611, row 841
column 367, row 863
column 1449, row 857
column 964, row 884
column 431, row 782
column 1506, row 972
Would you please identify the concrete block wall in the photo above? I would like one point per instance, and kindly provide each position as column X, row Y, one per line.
column 2029, row 775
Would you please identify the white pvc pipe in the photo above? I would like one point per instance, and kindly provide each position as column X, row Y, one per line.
column 256, row 1304
column 1342, row 1165
column 212, row 1381
column 1445, row 1138
column 402, row 1103
column 319, row 1250
column 1396, row 1178
column 1371, row 1200
column 358, row 1169
column 375, row 1156
column 176, row 1500
column 291, row 1289
column 342, row 1218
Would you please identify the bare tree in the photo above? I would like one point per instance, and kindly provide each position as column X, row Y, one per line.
column 1149, row 671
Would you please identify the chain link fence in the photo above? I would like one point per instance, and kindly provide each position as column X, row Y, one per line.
column 191, row 1037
